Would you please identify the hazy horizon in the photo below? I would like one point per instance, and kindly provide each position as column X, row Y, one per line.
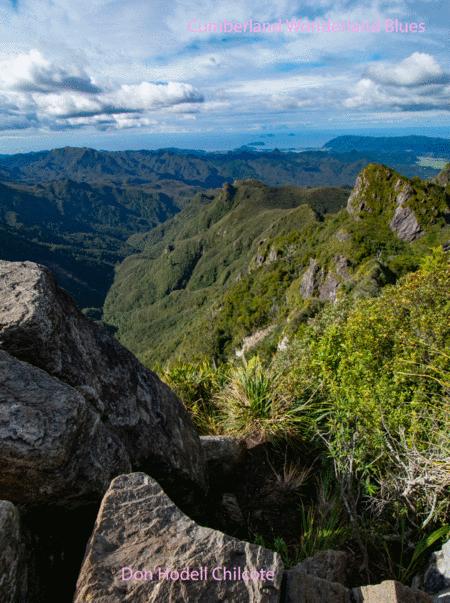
column 283, row 141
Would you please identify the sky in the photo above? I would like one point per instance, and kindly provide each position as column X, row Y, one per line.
column 145, row 73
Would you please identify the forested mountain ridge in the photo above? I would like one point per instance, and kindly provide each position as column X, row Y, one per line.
column 258, row 259
column 77, row 229
column 336, row 164
column 74, row 209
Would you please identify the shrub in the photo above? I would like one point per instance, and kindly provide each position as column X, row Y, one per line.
column 196, row 384
column 252, row 405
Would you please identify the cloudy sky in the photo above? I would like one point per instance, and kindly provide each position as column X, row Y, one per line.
column 119, row 73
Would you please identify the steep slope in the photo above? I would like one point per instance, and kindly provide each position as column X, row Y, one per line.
column 78, row 230
column 255, row 259
column 187, row 263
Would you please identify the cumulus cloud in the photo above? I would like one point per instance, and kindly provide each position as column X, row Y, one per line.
column 418, row 83
column 36, row 91
column 415, row 70
column 31, row 72
column 118, row 65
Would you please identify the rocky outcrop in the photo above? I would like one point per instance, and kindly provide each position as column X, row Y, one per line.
column 311, row 279
column 319, row 578
column 389, row 591
column 54, row 450
column 404, row 222
column 302, row 587
column 251, row 341
column 327, row 565
column 443, row 178
column 13, row 576
column 316, row 283
column 40, row 324
column 144, row 549
column 329, row 288
column 379, row 189
column 357, row 201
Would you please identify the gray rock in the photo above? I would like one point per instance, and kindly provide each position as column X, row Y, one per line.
column 443, row 178
column 273, row 256
column 405, row 225
column 139, row 528
column 329, row 288
column 342, row 265
column 311, row 279
column 54, row 449
column 437, row 575
column 304, row 588
column 13, row 575
column 40, row 324
column 328, row 565
column 356, row 202
column 389, row 591
column 222, row 453
column 404, row 222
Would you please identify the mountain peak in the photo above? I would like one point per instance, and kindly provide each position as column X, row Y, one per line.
column 409, row 205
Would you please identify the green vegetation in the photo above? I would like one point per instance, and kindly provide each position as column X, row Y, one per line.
column 175, row 286
column 293, row 318
column 78, row 230
column 365, row 383
column 230, row 265
column 362, row 383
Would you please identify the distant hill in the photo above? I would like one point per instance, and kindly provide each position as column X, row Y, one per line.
column 187, row 263
column 253, row 262
column 399, row 144
column 74, row 209
column 173, row 170
column 165, row 168
column 79, row 230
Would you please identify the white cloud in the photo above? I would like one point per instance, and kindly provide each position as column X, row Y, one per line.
column 31, row 72
column 418, row 83
column 147, row 96
column 40, row 92
column 96, row 64
column 419, row 68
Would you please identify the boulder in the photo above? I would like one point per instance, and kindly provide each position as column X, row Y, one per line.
column 328, row 565
column 40, row 324
column 304, row 588
column 222, row 453
column 389, row 591
column 13, row 576
column 437, row 575
column 144, row 549
column 54, row 449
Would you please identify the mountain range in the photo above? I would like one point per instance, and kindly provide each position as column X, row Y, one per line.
column 247, row 265
column 81, row 211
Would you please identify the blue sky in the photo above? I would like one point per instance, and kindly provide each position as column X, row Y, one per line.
column 134, row 73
